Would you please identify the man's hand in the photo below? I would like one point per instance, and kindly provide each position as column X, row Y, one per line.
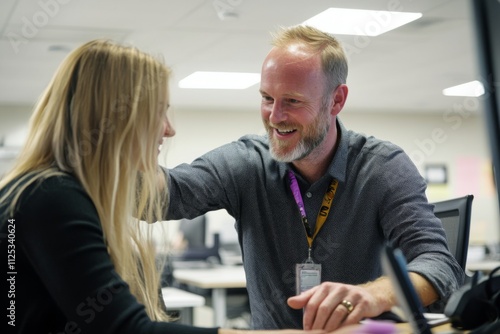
column 324, row 308
column 328, row 305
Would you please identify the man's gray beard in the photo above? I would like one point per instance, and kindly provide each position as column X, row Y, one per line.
column 303, row 149
column 298, row 153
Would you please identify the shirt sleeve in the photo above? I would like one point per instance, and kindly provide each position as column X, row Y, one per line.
column 213, row 181
column 60, row 234
column 409, row 223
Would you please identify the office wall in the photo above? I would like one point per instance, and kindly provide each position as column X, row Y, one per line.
column 456, row 140
column 13, row 129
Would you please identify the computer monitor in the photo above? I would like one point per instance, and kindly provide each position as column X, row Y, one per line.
column 194, row 231
column 486, row 20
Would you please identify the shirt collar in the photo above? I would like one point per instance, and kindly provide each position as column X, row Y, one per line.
column 338, row 166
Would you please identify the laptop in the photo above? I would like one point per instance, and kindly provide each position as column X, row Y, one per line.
column 394, row 266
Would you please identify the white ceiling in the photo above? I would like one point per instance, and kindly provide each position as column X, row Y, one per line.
column 402, row 70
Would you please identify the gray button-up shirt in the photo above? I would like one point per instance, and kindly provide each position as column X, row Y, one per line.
column 380, row 196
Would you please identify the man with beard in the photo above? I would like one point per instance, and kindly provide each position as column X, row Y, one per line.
column 314, row 203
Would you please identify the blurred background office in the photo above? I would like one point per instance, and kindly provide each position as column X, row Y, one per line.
column 398, row 79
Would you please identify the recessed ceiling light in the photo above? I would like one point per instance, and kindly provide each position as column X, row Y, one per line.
column 344, row 21
column 219, row 80
column 471, row 89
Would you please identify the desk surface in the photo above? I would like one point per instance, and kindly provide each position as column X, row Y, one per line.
column 212, row 278
column 176, row 298
column 484, row 266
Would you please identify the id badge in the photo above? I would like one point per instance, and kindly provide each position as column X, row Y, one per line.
column 307, row 275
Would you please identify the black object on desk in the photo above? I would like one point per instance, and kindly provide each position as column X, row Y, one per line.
column 476, row 303
column 394, row 264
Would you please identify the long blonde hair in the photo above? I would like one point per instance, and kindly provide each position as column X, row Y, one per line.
column 100, row 120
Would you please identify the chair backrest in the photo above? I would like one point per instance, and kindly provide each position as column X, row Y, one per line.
column 455, row 214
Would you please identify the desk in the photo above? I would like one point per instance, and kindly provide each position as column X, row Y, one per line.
column 176, row 299
column 485, row 266
column 218, row 279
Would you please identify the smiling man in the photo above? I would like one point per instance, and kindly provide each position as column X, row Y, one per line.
column 314, row 202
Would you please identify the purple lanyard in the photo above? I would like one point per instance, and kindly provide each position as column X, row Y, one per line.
column 325, row 206
column 294, row 186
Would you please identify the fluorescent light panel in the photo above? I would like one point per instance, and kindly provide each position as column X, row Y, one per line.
column 219, row 80
column 344, row 21
column 471, row 89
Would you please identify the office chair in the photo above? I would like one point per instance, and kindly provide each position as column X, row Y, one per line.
column 455, row 215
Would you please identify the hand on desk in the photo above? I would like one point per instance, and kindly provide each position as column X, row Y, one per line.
column 330, row 305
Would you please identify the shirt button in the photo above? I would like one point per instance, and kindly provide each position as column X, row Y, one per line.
column 309, row 195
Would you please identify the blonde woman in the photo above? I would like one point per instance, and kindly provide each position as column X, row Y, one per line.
column 89, row 165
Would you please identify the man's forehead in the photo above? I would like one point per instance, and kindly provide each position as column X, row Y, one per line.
column 295, row 53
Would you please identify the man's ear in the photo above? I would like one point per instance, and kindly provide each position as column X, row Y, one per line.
column 339, row 97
